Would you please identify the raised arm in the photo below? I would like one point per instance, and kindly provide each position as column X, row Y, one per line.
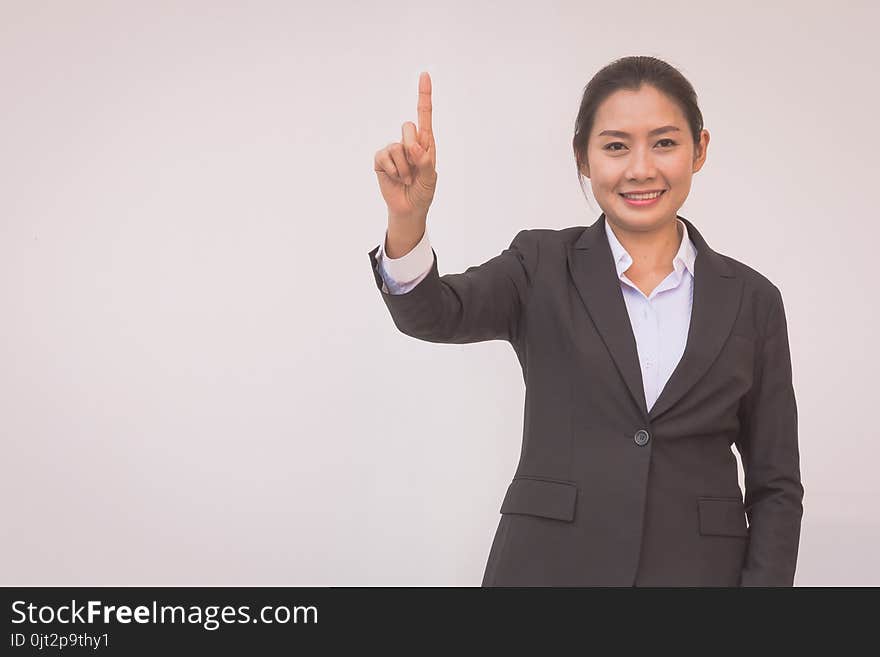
column 485, row 302
column 407, row 176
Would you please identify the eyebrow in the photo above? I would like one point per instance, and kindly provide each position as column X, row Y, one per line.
column 655, row 131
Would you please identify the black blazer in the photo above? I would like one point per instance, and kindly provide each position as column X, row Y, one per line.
column 605, row 492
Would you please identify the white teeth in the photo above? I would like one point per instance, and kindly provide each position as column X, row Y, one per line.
column 643, row 197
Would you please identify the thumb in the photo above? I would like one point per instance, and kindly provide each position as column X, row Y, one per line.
column 420, row 156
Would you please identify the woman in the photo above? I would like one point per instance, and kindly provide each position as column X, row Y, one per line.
column 645, row 355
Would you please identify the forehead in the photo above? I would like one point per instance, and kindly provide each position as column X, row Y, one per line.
column 637, row 112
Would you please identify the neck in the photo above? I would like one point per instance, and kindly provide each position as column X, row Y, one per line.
column 651, row 250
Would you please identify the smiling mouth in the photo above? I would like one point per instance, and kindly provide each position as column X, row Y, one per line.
column 644, row 195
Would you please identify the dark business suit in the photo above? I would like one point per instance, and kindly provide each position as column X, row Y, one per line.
column 605, row 492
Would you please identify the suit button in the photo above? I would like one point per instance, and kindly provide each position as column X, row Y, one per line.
column 641, row 437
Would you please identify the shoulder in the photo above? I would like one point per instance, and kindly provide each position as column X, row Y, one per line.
column 550, row 235
column 761, row 297
column 759, row 292
column 755, row 284
column 548, row 240
column 534, row 245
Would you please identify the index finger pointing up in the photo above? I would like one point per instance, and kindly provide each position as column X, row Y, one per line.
column 424, row 109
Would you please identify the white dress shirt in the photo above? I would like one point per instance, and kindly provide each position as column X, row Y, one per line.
column 659, row 322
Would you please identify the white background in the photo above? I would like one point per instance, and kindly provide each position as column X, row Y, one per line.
column 199, row 382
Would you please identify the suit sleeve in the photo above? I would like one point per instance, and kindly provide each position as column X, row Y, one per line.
column 485, row 302
column 768, row 447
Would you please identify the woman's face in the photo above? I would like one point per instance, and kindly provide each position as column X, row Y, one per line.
column 643, row 159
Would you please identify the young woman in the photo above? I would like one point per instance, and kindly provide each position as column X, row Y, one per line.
column 645, row 353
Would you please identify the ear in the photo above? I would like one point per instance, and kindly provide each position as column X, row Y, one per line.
column 700, row 150
column 583, row 167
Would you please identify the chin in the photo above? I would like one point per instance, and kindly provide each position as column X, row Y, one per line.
column 637, row 221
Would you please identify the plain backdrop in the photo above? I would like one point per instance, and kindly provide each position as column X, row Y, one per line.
column 199, row 382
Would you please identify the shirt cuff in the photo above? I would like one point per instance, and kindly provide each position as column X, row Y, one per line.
column 409, row 266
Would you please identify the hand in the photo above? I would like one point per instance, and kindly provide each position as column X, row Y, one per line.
column 407, row 169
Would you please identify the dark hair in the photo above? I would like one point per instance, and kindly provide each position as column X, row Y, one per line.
column 630, row 73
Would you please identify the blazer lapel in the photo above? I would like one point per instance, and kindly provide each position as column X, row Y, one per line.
column 592, row 269
column 717, row 294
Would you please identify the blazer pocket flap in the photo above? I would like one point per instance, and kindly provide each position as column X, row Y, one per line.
column 541, row 497
column 722, row 516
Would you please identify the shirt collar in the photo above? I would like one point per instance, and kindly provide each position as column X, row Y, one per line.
column 684, row 259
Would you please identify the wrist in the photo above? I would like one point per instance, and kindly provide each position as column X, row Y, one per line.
column 402, row 236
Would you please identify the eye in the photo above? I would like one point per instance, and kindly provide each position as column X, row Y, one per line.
column 607, row 147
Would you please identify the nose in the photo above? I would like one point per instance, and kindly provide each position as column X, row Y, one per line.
column 640, row 164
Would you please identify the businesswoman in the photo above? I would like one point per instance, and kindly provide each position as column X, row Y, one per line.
column 646, row 356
